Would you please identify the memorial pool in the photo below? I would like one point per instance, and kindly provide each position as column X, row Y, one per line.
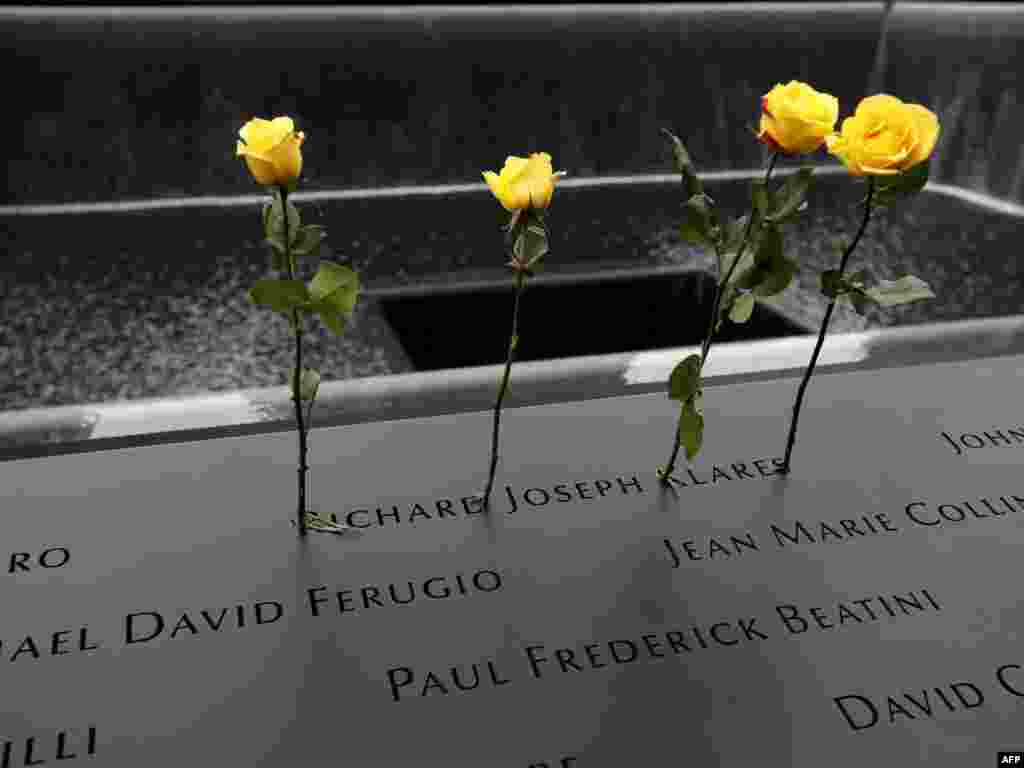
column 146, row 304
column 151, row 302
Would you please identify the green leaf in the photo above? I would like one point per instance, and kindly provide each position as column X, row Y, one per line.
column 691, row 428
column 734, row 231
column 684, row 166
column 335, row 285
column 335, row 321
column 334, row 290
column 691, row 235
column 902, row 291
column 716, row 233
column 309, row 383
column 700, row 221
column 279, row 295
column 766, row 258
column 838, row 244
column 729, row 294
column 276, row 221
column 278, row 261
column 294, row 223
column 318, row 522
column 514, row 343
column 266, row 219
column 308, row 239
column 845, row 289
column 759, row 195
column 685, row 378
column 276, row 244
column 742, row 308
column 894, row 189
column 778, row 277
column 858, row 278
column 858, row 300
column 791, row 196
column 831, row 284
column 771, row 272
column 530, row 246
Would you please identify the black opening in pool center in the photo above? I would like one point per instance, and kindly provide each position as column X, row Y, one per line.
column 463, row 326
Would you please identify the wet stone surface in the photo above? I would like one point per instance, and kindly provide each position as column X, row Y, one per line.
column 100, row 307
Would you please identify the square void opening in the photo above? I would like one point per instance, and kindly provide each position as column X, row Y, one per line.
column 461, row 326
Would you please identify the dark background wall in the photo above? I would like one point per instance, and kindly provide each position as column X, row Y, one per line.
column 132, row 105
column 143, row 103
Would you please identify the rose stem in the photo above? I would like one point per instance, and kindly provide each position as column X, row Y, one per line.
column 784, row 469
column 297, row 394
column 706, row 346
column 520, row 282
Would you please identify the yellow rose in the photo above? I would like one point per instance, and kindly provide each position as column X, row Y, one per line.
column 271, row 150
column 885, row 136
column 795, row 118
column 524, row 183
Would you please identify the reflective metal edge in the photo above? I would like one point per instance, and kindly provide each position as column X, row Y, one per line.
column 71, row 429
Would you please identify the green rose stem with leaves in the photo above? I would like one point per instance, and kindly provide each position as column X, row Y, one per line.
column 272, row 152
column 530, row 243
column 296, row 378
column 821, row 334
column 838, row 287
column 513, row 340
column 332, row 294
column 524, row 188
column 512, row 343
column 764, row 273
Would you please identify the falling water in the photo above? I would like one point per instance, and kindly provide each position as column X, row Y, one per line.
column 963, row 61
column 877, row 80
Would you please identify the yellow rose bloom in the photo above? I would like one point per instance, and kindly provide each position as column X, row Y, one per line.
column 795, row 118
column 524, row 182
column 885, row 136
column 271, row 150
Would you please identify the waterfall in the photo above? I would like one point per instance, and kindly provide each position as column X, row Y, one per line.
column 876, row 82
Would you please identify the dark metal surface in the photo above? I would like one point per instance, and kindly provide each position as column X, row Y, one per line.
column 863, row 610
